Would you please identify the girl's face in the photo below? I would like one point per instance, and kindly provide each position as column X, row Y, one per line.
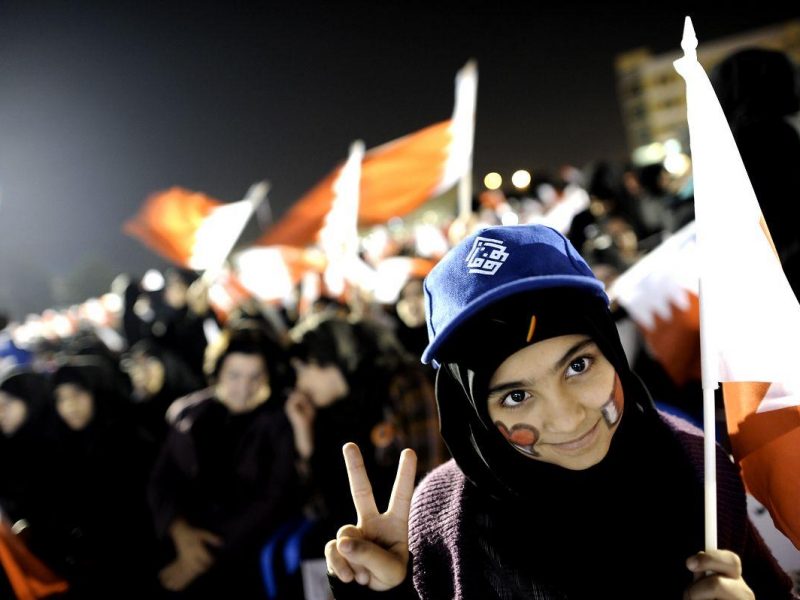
column 74, row 405
column 323, row 385
column 13, row 413
column 243, row 382
column 558, row 401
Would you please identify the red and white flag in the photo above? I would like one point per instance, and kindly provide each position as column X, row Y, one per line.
column 660, row 293
column 273, row 273
column 190, row 228
column 338, row 238
column 749, row 315
column 397, row 177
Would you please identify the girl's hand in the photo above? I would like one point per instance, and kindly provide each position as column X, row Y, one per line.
column 374, row 552
column 718, row 575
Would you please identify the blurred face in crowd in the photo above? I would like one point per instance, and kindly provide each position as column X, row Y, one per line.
column 323, row 385
column 411, row 305
column 558, row 401
column 13, row 413
column 175, row 291
column 146, row 373
column 75, row 405
column 243, row 382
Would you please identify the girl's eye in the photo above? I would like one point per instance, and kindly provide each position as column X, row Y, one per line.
column 514, row 399
column 578, row 366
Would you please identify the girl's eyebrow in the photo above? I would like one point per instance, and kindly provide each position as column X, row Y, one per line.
column 559, row 364
column 505, row 387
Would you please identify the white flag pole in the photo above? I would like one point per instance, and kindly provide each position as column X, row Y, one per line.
column 709, row 362
column 255, row 196
column 464, row 118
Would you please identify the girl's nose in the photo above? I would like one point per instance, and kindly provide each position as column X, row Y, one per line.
column 563, row 414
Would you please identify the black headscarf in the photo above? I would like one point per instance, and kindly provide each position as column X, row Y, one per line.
column 24, row 455
column 94, row 375
column 32, row 389
column 543, row 523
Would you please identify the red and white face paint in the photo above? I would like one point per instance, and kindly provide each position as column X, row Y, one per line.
column 521, row 435
column 558, row 401
column 612, row 410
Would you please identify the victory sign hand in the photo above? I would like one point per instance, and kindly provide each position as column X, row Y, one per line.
column 374, row 552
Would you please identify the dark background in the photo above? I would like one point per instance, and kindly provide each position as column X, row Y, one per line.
column 102, row 104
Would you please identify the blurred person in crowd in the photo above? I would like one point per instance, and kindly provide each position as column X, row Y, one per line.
column 158, row 377
column 340, row 393
column 25, row 428
column 96, row 531
column 225, row 478
column 355, row 382
column 274, row 319
column 557, row 448
column 182, row 322
column 410, row 309
column 137, row 313
column 757, row 89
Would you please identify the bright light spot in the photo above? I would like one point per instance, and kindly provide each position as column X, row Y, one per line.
column 677, row 164
column 509, row 218
column 112, row 303
column 61, row 326
column 430, row 241
column 95, row 312
column 152, row 281
column 672, row 146
column 521, row 179
column 652, row 153
column 493, row 181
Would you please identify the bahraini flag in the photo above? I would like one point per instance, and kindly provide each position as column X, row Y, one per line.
column 189, row 228
column 752, row 316
column 397, row 177
column 659, row 293
column 273, row 273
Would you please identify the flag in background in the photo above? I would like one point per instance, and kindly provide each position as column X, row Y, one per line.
column 191, row 229
column 752, row 316
column 273, row 273
column 397, row 177
column 660, row 293
column 338, row 238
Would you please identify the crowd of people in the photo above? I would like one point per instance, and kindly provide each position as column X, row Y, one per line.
column 171, row 464
column 175, row 452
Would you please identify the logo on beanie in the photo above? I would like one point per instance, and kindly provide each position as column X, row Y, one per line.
column 486, row 256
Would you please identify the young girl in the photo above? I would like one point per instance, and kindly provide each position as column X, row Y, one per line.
column 566, row 481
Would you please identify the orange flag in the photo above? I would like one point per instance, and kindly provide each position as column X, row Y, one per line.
column 189, row 228
column 396, row 178
column 29, row 577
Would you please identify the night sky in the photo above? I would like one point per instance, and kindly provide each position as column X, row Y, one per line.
column 103, row 104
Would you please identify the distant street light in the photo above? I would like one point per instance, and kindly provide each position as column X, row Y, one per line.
column 492, row 181
column 521, row 179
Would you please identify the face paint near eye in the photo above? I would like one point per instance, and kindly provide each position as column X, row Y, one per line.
column 522, row 436
column 612, row 410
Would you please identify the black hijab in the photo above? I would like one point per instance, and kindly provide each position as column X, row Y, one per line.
column 543, row 525
column 24, row 467
column 32, row 389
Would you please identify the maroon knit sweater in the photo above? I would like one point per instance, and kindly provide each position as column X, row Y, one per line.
column 445, row 560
